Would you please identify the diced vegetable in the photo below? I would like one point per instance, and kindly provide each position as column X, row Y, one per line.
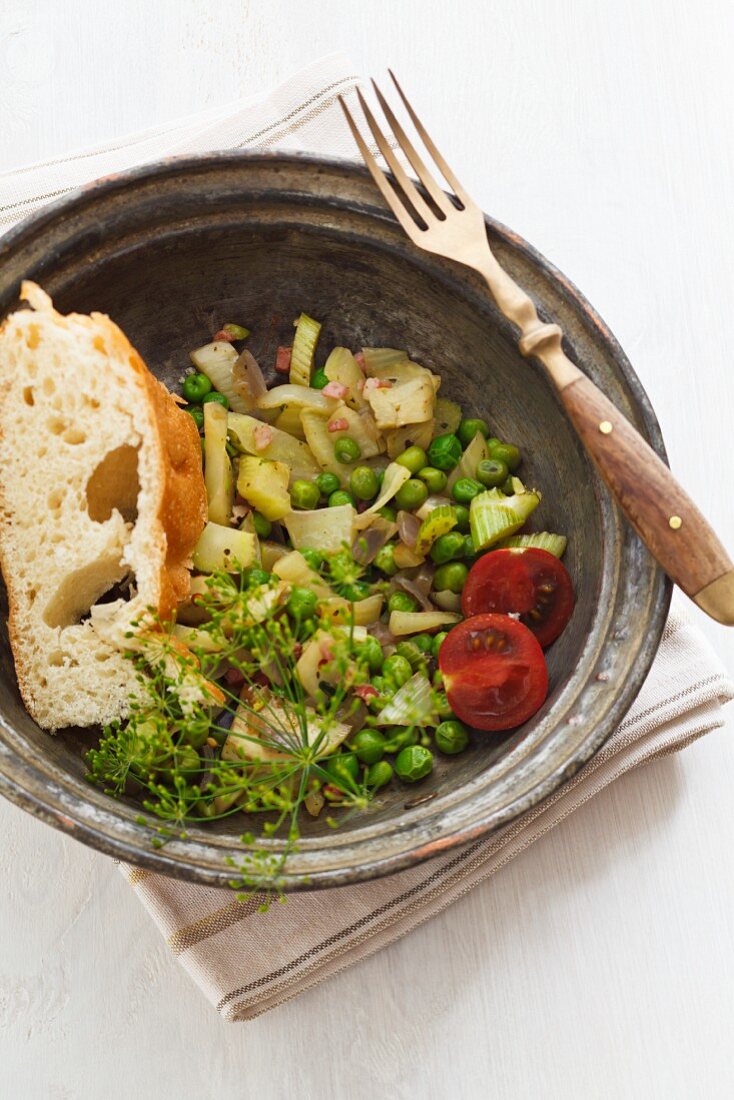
column 325, row 529
column 362, row 613
column 448, row 416
column 376, row 359
column 395, row 476
column 341, row 366
column 310, row 664
column 415, row 622
column 276, row 729
column 195, row 639
column 410, row 435
column 248, row 524
column 248, row 382
column 289, row 420
column 467, row 464
column 283, row 448
column 361, row 427
column 265, row 485
column 304, row 346
column 407, row 403
column 217, row 362
column 438, row 522
column 407, row 557
column 294, row 568
column 272, row 552
column 494, row 516
column 447, row 600
column 298, row 397
column 224, row 548
column 543, row 540
column 321, row 443
column 412, row 704
column 217, row 465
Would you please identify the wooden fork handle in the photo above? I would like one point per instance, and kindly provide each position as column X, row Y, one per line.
column 664, row 516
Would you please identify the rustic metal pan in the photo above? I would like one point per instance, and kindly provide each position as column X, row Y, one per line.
column 172, row 250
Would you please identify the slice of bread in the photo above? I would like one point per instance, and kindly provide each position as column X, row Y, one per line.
column 100, row 485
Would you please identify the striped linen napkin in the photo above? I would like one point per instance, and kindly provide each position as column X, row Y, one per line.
column 247, row 962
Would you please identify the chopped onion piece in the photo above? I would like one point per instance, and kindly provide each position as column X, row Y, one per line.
column 408, row 528
column 446, row 600
column 410, row 586
column 247, row 379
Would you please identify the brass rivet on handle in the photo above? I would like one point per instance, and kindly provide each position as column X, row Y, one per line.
column 606, row 427
column 675, row 522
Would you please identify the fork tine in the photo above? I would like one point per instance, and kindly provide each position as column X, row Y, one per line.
column 445, row 170
column 388, row 193
column 416, row 200
column 413, row 156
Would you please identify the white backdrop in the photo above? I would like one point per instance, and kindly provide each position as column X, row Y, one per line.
column 601, row 962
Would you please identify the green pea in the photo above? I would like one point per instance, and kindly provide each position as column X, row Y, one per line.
column 304, row 494
column 413, row 458
column 411, row 494
column 469, row 428
column 441, row 703
column 469, row 548
column 451, row 737
column 341, row 496
column 197, row 415
column 444, row 452
column 381, row 686
column 379, row 774
column 319, row 379
column 448, row 547
column 491, row 472
column 328, row 484
column 438, row 642
column 451, row 576
column 387, row 513
column 401, row 601
column 369, row 746
column 314, row 558
column 363, row 483
column 465, row 489
column 397, row 669
column 398, row 737
column 507, row 453
column 219, row 398
column 423, row 641
column 355, row 591
column 492, row 442
column 254, row 576
column 262, row 526
column 435, row 479
column 462, row 517
column 301, row 603
column 385, row 560
column 347, row 450
column 413, row 763
column 342, row 769
column 196, row 387
column 370, row 651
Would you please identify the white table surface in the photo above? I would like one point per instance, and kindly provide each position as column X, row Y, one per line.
column 601, row 962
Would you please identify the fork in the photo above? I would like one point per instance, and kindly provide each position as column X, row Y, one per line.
column 452, row 225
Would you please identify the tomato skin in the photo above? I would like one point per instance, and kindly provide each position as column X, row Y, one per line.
column 524, row 581
column 493, row 671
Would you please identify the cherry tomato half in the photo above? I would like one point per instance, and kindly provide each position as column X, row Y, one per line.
column 522, row 580
column 494, row 672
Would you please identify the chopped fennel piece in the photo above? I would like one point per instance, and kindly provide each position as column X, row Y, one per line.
column 467, row 464
column 272, row 552
column 398, row 373
column 304, row 346
column 439, row 521
column 431, row 503
column 341, row 366
column 362, row 613
column 415, row 622
column 376, row 359
column 542, row 540
column 217, row 361
column 395, row 476
column 448, row 416
column 309, row 667
column 321, row 445
column 277, row 729
column 360, row 426
column 248, row 525
column 407, row 403
column 493, row 516
column 446, row 600
column 224, row 548
column 194, row 638
column 300, row 397
column 217, row 466
column 410, row 435
column 325, row 529
column 283, row 448
column 265, row 485
column 411, row 705
column 289, row 420
column 294, row 568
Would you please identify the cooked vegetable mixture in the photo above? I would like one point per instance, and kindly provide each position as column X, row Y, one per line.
column 364, row 593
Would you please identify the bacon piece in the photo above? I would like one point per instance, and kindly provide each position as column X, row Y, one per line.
column 262, row 437
column 283, row 360
column 339, row 425
column 335, row 389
